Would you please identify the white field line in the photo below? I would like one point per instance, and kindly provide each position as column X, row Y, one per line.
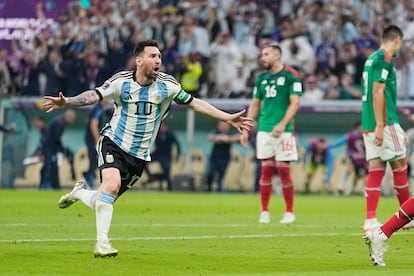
column 204, row 237
column 246, row 236
column 179, row 225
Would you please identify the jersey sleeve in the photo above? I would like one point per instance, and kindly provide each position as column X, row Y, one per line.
column 380, row 71
column 296, row 86
column 183, row 97
column 109, row 89
column 258, row 89
column 175, row 91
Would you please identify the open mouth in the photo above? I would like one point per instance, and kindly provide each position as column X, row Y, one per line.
column 156, row 69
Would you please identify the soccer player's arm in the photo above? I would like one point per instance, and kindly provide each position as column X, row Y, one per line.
column 88, row 97
column 200, row 106
column 341, row 141
column 378, row 102
column 294, row 98
column 380, row 75
column 307, row 154
column 329, row 165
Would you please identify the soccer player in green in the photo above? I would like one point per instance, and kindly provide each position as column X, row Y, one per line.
column 385, row 140
column 383, row 136
column 276, row 99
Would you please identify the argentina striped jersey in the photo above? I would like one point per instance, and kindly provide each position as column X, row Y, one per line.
column 139, row 110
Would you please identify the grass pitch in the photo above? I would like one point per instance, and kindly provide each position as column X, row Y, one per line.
column 194, row 234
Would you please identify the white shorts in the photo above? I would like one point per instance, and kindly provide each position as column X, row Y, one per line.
column 282, row 148
column 393, row 147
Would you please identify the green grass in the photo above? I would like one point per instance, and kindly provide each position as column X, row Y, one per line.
column 194, row 234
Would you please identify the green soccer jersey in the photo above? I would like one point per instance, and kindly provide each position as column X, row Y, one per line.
column 274, row 91
column 379, row 67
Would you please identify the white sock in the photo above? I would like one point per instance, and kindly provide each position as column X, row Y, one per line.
column 86, row 196
column 104, row 209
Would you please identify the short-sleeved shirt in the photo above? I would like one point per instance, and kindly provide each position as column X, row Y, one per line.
column 274, row 91
column 379, row 67
column 139, row 110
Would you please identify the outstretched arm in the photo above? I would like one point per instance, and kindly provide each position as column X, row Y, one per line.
column 341, row 141
column 86, row 98
column 236, row 120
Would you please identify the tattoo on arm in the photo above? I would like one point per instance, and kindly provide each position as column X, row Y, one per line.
column 86, row 98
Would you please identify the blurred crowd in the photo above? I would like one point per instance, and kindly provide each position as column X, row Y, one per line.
column 210, row 46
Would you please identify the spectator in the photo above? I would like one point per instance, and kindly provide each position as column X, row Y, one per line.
column 348, row 90
column 312, row 92
column 51, row 146
column 297, row 51
column 191, row 71
column 113, row 28
column 348, row 27
column 52, row 69
column 347, row 61
column 318, row 155
column 356, row 163
column 326, row 53
column 226, row 55
column 8, row 128
column 165, row 143
column 239, row 88
column 116, row 58
column 222, row 139
column 170, row 56
column 410, row 73
column 7, row 75
column 365, row 44
column 267, row 22
column 39, row 123
column 332, row 90
column 252, row 143
column 408, row 29
column 244, row 30
column 95, row 70
column 29, row 71
column 187, row 37
column 93, row 127
column 318, row 25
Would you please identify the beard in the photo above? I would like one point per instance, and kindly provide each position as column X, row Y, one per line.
column 267, row 66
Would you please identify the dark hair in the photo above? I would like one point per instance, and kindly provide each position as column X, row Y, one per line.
column 391, row 32
column 139, row 48
column 273, row 45
column 38, row 117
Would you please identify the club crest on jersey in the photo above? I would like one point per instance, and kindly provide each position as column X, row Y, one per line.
column 109, row 158
column 281, row 81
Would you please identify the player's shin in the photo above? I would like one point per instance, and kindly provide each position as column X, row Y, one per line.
column 104, row 211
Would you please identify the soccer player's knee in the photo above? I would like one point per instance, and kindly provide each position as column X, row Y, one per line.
column 284, row 174
column 266, row 175
column 375, row 176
